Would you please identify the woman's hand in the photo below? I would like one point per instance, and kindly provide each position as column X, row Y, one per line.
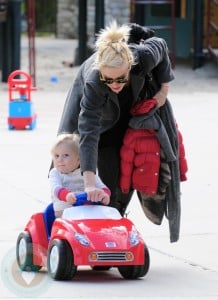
column 161, row 95
column 97, row 195
column 94, row 194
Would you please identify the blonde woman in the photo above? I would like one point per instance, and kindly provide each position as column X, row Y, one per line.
column 108, row 84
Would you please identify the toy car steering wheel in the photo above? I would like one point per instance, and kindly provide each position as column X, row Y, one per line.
column 81, row 199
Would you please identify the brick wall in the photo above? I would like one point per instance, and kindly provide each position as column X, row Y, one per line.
column 67, row 16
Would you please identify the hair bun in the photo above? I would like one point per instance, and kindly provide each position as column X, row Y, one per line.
column 113, row 34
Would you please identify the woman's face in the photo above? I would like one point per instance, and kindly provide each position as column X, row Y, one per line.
column 115, row 78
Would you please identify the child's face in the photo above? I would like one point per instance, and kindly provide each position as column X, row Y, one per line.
column 65, row 160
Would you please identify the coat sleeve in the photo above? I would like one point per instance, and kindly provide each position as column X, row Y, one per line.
column 89, row 125
column 153, row 57
column 54, row 181
column 71, row 110
column 183, row 165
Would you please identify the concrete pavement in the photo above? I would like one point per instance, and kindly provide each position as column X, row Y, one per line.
column 184, row 270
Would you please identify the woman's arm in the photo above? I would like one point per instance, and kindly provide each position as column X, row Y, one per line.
column 89, row 125
column 161, row 95
column 71, row 109
column 93, row 193
column 154, row 58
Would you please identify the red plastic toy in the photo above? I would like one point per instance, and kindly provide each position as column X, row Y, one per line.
column 21, row 109
column 88, row 235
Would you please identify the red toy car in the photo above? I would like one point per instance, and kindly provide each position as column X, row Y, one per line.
column 93, row 235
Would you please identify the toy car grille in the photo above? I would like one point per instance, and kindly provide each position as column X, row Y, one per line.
column 111, row 256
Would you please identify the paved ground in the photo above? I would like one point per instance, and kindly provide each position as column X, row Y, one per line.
column 184, row 270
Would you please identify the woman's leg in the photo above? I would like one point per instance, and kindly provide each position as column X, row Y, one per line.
column 109, row 172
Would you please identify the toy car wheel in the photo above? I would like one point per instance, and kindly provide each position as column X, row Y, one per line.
column 136, row 271
column 60, row 262
column 24, row 253
column 10, row 127
column 32, row 125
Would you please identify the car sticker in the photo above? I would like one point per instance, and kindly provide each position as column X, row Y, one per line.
column 110, row 245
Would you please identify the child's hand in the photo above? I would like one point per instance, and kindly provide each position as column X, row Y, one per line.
column 106, row 199
column 71, row 198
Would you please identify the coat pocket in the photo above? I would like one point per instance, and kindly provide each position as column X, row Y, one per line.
column 146, row 173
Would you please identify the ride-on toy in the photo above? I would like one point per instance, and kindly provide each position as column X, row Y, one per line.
column 21, row 109
column 87, row 235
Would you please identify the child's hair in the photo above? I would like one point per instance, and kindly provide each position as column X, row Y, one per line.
column 72, row 139
column 112, row 48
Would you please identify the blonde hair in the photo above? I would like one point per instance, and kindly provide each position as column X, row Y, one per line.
column 112, row 48
column 71, row 139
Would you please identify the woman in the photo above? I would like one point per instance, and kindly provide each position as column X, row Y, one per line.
column 108, row 84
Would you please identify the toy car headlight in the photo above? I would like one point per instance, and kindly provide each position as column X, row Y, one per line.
column 82, row 239
column 134, row 238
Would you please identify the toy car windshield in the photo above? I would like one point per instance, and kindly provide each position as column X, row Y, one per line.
column 91, row 212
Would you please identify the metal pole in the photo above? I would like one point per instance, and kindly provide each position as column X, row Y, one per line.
column 11, row 39
column 198, row 34
column 99, row 15
column 82, row 30
column 3, row 18
column 31, row 38
column 6, row 50
column 16, row 34
column 173, row 37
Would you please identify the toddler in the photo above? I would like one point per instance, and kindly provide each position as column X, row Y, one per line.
column 65, row 177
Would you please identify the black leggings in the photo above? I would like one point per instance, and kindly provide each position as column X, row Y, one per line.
column 109, row 172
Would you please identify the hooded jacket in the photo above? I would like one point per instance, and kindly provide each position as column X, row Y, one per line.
column 140, row 153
